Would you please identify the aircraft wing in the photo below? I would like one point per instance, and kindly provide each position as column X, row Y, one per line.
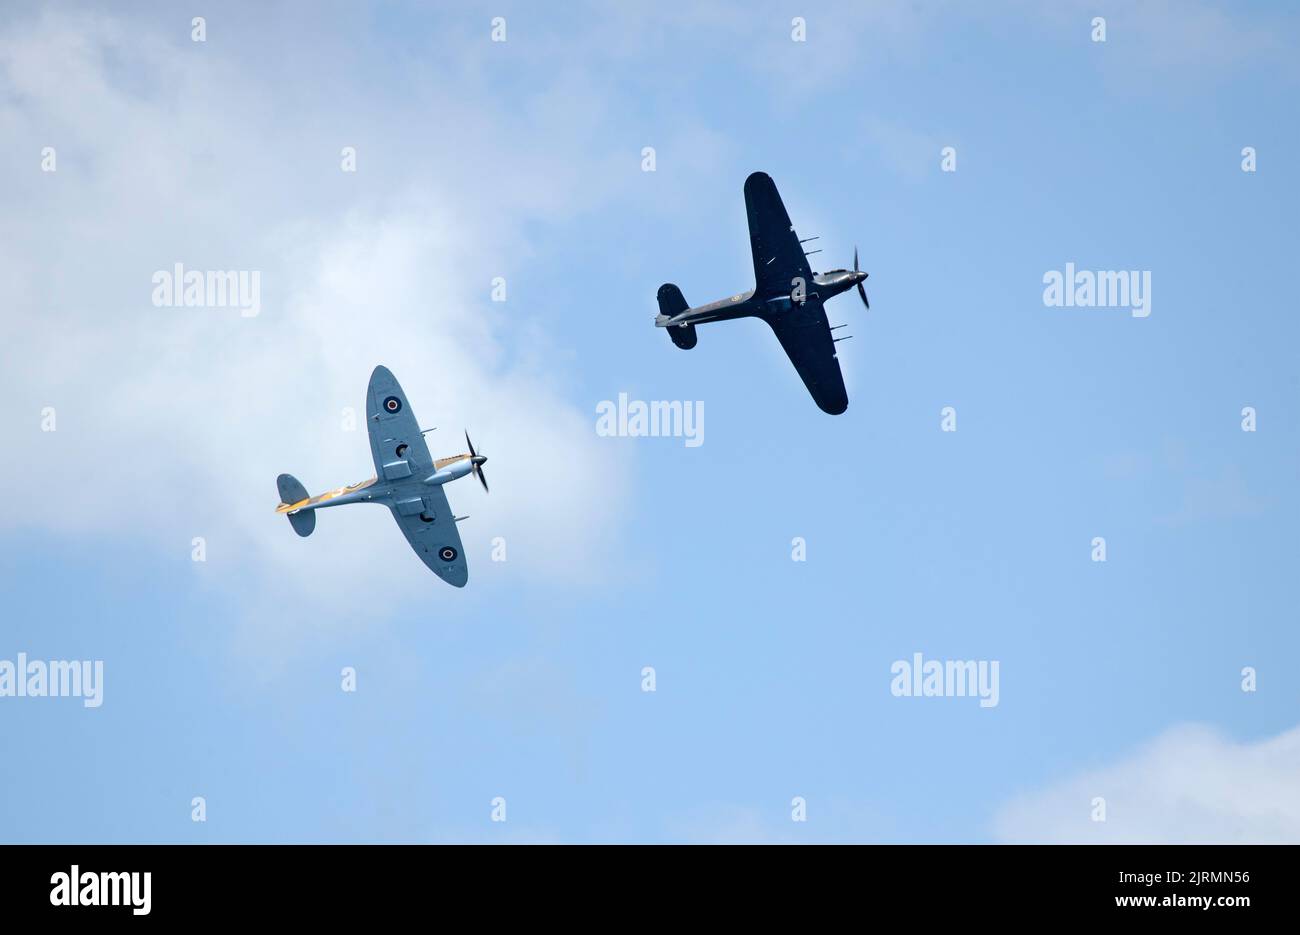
column 426, row 520
column 806, row 336
column 778, row 256
column 394, row 433
column 400, row 454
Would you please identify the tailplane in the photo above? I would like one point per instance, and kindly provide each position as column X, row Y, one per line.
column 672, row 302
column 292, row 491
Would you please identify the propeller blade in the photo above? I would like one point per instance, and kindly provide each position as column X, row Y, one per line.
column 855, row 258
column 476, row 463
column 863, row 292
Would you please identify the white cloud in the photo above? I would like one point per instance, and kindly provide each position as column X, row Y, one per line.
column 1190, row 785
column 174, row 422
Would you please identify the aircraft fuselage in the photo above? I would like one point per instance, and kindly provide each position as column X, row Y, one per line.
column 750, row 304
column 371, row 491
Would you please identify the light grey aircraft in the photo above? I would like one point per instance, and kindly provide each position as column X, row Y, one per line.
column 787, row 295
column 411, row 484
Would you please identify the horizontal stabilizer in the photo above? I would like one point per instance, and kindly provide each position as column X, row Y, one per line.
column 683, row 337
column 303, row 522
column 672, row 302
column 292, row 491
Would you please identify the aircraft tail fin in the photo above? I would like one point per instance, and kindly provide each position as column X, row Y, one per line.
column 292, row 491
column 672, row 302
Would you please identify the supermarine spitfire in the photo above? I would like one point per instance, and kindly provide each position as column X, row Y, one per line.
column 407, row 481
column 787, row 295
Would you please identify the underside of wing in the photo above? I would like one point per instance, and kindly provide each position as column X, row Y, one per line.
column 426, row 520
column 779, row 259
column 395, row 440
column 806, row 336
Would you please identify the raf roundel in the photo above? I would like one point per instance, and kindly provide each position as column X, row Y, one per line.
column 447, row 553
column 392, row 404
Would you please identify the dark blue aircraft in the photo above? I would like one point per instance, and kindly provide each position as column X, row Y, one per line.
column 787, row 295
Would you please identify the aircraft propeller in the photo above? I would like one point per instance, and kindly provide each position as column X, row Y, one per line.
column 476, row 461
column 862, row 292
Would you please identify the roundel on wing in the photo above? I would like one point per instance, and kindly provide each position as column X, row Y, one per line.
column 392, row 405
column 447, row 553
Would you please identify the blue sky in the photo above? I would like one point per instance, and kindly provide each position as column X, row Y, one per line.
column 523, row 160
